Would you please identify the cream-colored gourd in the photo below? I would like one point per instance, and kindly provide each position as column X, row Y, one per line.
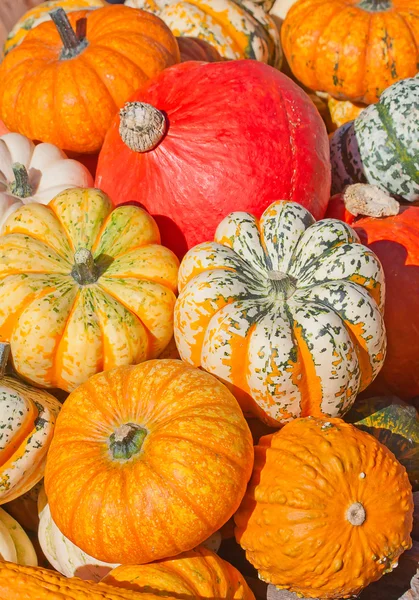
column 15, row 545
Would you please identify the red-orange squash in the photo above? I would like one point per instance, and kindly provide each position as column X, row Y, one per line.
column 352, row 49
column 198, row 573
column 64, row 86
column 328, row 510
column 147, row 462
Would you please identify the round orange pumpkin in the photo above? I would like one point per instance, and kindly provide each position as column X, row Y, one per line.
column 352, row 49
column 64, row 86
column 328, row 510
column 198, row 573
column 147, row 462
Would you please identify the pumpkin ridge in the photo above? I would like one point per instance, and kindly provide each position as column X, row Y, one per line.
column 396, row 142
column 58, row 352
column 187, row 499
column 85, row 60
column 126, row 57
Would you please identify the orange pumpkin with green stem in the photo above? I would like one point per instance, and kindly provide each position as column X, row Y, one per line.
column 352, row 49
column 67, row 79
column 147, row 462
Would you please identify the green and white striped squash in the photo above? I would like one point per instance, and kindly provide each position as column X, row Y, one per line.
column 381, row 145
column 237, row 29
column 286, row 311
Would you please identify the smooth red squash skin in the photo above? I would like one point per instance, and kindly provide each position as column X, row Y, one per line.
column 241, row 135
column 395, row 240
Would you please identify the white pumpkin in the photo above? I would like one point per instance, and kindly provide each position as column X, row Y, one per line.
column 286, row 311
column 30, row 173
column 280, row 8
column 15, row 545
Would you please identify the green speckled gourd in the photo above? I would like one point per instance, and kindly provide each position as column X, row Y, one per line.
column 381, row 145
column 83, row 288
column 27, row 421
column 395, row 424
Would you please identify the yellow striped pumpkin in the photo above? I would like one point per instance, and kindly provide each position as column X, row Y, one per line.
column 83, row 288
column 286, row 311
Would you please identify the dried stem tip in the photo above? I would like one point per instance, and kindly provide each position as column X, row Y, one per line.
column 356, row 514
column 142, row 127
column 369, row 201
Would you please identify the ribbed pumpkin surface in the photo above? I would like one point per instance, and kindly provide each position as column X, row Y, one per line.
column 196, row 574
column 328, row 509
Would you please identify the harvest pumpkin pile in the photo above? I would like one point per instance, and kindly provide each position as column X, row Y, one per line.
column 209, row 272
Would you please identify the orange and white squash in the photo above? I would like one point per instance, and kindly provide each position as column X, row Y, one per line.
column 286, row 311
column 61, row 553
column 15, row 545
column 236, row 29
column 83, row 288
column 30, row 173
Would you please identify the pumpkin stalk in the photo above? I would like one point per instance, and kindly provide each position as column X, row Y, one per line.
column 356, row 514
column 127, row 441
column 20, row 187
column 4, row 358
column 142, row 127
column 73, row 45
column 85, row 271
column 282, row 284
column 369, row 201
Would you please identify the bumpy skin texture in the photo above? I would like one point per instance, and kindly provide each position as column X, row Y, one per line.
column 285, row 310
column 28, row 583
column 293, row 520
column 243, row 136
column 236, row 29
column 62, row 331
column 40, row 14
column 352, row 50
column 30, row 415
column 186, row 481
column 196, row 574
column 380, row 145
column 395, row 240
column 71, row 103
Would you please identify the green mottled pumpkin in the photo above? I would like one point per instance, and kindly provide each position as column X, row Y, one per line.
column 380, row 145
column 396, row 425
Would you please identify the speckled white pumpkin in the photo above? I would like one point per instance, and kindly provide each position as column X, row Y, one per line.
column 286, row 311
column 236, row 29
column 27, row 420
column 381, row 145
column 30, row 173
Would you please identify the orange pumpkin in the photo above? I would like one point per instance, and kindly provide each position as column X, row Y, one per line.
column 199, row 573
column 342, row 111
column 147, row 462
column 35, row 583
column 352, row 49
column 328, row 509
column 64, row 87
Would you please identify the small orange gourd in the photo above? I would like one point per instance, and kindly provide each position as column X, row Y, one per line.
column 328, row 509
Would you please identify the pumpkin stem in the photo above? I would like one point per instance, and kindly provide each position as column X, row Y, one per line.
column 85, row 271
column 20, row 187
column 73, row 45
column 126, row 441
column 282, row 284
column 369, row 201
column 375, row 5
column 4, row 358
column 356, row 514
column 142, row 127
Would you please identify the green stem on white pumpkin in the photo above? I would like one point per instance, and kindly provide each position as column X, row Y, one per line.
column 85, row 271
column 73, row 45
column 20, row 187
column 127, row 441
column 356, row 514
column 142, row 127
column 4, row 357
column 369, row 201
column 282, row 284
